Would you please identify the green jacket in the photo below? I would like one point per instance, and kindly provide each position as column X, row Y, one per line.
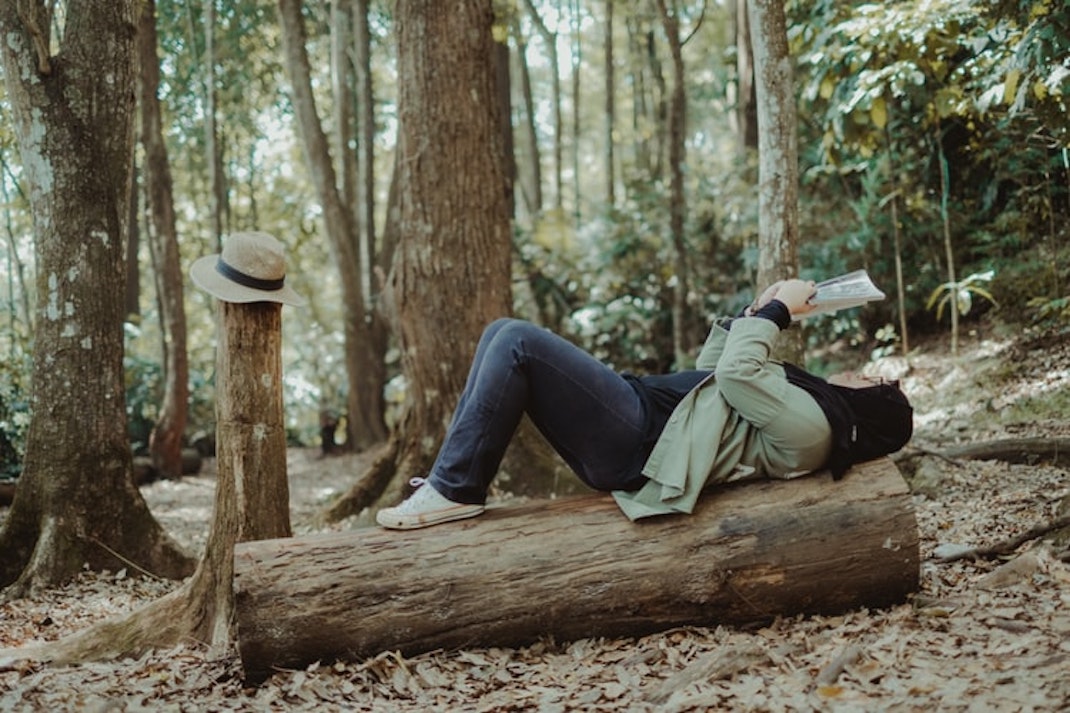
column 743, row 421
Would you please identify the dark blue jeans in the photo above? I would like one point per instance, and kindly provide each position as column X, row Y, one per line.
column 589, row 413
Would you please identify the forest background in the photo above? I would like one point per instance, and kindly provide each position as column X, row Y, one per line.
column 932, row 139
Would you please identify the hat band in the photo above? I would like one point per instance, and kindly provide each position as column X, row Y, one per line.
column 244, row 280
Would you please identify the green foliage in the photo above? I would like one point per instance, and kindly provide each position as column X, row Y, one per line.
column 143, row 378
column 1051, row 310
column 144, row 393
column 960, row 294
column 14, row 411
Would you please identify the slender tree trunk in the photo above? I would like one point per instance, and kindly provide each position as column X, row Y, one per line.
column 610, row 109
column 949, row 251
column 660, row 106
column 576, row 52
column 76, row 504
column 342, row 88
column 452, row 275
column 21, row 311
column 550, row 39
column 365, row 403
column 641, row 115
column 532, row 190
column 778, row 171
column 897, row 239
column 133, row 242
column 365, row 152
column 375, row 255
column 165, row 442
column 211, row 131
column 677, row 199
column 746, row 102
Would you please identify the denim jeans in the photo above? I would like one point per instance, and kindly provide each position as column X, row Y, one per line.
column 589, row 413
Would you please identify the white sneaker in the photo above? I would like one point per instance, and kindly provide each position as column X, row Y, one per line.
column 424, row 508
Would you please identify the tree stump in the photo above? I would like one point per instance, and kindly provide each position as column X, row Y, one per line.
column 576, row 567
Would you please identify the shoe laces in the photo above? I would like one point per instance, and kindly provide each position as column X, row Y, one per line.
column 416, row 500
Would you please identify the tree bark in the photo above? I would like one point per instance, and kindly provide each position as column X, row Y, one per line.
column 251, row 501
column 165, row 441
column 531, row 189
column 746, row 102
column 576, row 567
column 550, row 40
column 213, row 156
column 778, row 155
column 610, row 107
column 452, row 272
column 365, row 407
column 76, row 503
column 677, row 200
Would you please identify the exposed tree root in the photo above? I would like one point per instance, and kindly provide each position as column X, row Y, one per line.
column 1054, row 450
column 1011, row 544
column 369, row 486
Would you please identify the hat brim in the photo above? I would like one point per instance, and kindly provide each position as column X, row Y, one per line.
column 205, row 276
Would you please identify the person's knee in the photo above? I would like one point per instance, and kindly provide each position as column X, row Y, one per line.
column 509, row 329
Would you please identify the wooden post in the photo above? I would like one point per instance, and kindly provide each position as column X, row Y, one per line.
column 252, row 493
column 250, row 431
column 576, row 567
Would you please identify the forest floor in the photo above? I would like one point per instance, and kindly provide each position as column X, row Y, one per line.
column 981, row 635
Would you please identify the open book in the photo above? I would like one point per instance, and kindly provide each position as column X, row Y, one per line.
column 850, row 290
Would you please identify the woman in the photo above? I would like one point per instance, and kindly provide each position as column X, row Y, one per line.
column 656, row 441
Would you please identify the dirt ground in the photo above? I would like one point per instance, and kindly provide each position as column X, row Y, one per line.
column 985, row 635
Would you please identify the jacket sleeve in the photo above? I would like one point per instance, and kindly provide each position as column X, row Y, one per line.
column 715, row 343
column 744, row 374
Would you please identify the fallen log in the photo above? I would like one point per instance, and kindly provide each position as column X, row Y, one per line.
column 575, row 568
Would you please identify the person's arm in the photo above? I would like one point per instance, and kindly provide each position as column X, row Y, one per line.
column 797, row 294
column 743, row 375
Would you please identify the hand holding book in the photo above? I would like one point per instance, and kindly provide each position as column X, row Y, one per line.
column 850, row 290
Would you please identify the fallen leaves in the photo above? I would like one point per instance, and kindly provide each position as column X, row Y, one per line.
column 986, row 635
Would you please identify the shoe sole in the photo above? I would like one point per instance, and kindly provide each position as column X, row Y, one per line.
column 437, row 518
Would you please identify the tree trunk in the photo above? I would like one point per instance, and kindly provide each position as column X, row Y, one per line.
column 452, row 275
column 746, row 102
column 610, row 108
column 550, row 40
column 165, row 441
column 575, row 568
column 778, row 157
column 365, row 425
column 251, row 501
column 76, row 503
column 532, row 189
column 366, row 155
column 133, row 242
column 213, row 156
column 677, row 199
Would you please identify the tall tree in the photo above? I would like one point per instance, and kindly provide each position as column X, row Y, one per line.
column 610, row 107
column 451, row 275
column 778, row 153
column 531, row 188
column 453, row 271
column 213, row 155
column 365, row 133
column 677, row 199
column 549, row 38
column 165, row 442
column 746, row 109
column 76, row 502
column 364, row 357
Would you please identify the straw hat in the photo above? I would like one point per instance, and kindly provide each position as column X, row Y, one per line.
column 252, row 268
